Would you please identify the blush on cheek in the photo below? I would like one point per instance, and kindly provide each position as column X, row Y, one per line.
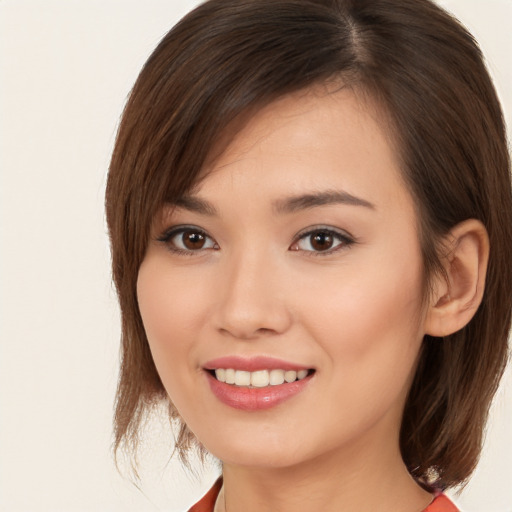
column 376, row 333
column 167, row 301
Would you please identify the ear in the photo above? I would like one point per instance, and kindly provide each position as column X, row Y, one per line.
column 456, row 298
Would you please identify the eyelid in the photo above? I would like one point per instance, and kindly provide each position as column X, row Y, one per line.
column 346, row 238
column 169, row 233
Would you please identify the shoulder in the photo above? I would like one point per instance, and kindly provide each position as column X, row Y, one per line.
column 207, row 503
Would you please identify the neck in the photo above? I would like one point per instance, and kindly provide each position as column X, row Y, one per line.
column 334, row 482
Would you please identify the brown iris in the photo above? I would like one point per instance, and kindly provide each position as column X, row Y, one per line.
column 321, row 241
column 193, row 240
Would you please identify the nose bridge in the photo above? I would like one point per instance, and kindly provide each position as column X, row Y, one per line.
column 252, row 299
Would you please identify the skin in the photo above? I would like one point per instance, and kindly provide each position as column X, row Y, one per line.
column 354, row 313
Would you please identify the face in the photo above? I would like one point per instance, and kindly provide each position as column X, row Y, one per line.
column 282, row 299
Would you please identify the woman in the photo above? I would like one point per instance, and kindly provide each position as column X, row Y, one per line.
column 310, row 210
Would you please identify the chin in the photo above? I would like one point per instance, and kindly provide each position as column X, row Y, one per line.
column 265, row 450
column 259, row 458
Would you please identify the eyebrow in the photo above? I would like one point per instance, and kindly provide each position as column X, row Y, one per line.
column 285, row 205
column 195, row 204
column 325, row 198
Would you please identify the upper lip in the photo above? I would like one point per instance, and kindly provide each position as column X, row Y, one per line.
column 252, row 364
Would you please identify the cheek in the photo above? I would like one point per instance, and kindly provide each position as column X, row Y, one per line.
column 171, row 299
column 171, row 311
column 371, row 324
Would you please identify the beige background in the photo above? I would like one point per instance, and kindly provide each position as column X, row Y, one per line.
column 66, row 67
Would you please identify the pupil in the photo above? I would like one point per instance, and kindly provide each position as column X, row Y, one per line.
column 322, row 241
column 193, row 240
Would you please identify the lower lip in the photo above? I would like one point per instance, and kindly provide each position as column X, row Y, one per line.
column 255, row 399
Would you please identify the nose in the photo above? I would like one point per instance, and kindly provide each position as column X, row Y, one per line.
column 252, row 299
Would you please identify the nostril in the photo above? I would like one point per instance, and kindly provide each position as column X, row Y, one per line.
column 265, row 330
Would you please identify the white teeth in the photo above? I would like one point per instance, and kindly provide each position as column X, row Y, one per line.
column 290, row 376
column 260, row 378
column 276, row 377
column 230, row 376
column 220, row 374
column 242, row 378
column 301, row 374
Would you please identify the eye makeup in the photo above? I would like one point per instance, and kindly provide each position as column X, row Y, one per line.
column 317, row 240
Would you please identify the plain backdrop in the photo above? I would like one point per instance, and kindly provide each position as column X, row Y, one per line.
column 66, row 67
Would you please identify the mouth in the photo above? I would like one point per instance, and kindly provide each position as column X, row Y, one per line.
column 259, row 378
column 256, row 383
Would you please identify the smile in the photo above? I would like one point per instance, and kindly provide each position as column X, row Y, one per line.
column 260, row 378
column 256, row 383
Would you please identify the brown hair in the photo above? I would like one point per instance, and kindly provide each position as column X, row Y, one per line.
column 229, row 56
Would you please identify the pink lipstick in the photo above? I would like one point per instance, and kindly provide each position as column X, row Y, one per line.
column 255, row 383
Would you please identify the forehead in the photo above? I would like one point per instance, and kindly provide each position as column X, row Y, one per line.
column 311, row 140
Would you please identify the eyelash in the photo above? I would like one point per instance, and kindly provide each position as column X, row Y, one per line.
column 168, row 235
column 345, row 240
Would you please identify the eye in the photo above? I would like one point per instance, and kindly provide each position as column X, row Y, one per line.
column 187, row 239
column 321, row 240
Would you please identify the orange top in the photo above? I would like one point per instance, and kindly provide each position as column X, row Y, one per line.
column 206, row 504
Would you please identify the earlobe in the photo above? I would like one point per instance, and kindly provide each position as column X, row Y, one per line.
column 458, row 294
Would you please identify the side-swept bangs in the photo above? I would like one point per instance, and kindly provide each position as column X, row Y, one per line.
column 427, row 73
